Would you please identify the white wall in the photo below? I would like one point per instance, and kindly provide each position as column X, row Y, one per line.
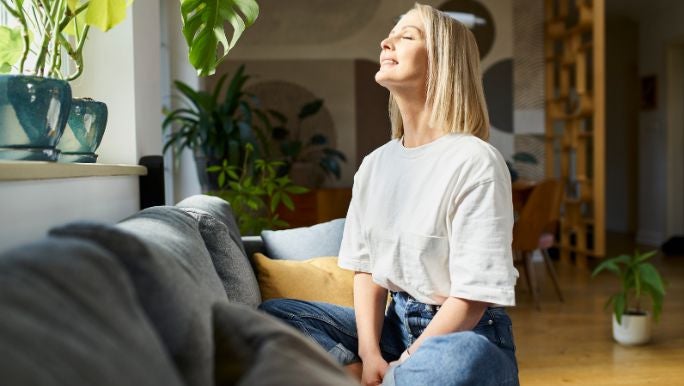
column 660, row 25
column 180, row 172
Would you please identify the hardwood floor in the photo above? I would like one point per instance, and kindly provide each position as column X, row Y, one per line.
column 571, row 342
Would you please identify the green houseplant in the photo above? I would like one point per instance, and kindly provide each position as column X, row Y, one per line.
column 255, row 191
column 639, row 279
column 216, row 125
column 298, row 152
column 49, row 31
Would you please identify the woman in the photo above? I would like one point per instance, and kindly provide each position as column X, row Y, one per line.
column 430, row 221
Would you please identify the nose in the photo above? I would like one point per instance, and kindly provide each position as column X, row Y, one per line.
column 385, row 44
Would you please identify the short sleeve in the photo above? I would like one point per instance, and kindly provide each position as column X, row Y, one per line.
column 480, row 254
column 354, row 253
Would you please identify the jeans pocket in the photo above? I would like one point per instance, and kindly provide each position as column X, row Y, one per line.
column 496, row 327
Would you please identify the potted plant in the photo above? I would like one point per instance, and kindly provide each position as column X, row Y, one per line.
column 49, row 31
column 39, row 98
column 215, row 125
column 255, row 192
column 639, row 279
column 302, row 157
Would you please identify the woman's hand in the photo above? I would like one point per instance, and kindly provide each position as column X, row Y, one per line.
column 374, row 369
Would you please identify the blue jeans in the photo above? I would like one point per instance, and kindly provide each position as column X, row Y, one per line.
column 483, row 356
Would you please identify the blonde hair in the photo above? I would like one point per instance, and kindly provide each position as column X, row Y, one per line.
column 454, row 82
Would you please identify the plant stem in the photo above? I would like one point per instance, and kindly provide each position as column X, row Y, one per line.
column 24, row 34
column 77, row 56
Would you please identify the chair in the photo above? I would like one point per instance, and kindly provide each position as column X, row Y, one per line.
column 533, row 229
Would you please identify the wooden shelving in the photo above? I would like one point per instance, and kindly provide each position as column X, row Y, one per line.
column 575, row 114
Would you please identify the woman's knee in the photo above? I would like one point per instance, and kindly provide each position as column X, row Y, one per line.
column 281, row 308
column 462, row 358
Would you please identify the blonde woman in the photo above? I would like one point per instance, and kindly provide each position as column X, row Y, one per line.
column 431, row 222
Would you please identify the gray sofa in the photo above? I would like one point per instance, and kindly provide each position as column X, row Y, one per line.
column 165, row 297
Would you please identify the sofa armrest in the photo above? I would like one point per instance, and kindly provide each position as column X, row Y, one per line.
column 253, row 244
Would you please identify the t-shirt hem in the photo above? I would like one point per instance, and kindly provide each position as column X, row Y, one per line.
column 496, row 296
column 353, row 266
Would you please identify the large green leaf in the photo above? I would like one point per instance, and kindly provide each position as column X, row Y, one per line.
column 105, row 14
column 650, row 276
column 11, row 47
column 204, row 29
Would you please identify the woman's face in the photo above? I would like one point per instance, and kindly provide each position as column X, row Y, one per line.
column 403, row 55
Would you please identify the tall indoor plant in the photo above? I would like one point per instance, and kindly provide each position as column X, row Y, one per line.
column 639, row 279
column 215, row 125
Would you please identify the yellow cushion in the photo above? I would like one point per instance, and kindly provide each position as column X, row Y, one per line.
column 318, row 279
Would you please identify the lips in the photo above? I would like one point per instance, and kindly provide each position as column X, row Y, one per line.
column 387, row 61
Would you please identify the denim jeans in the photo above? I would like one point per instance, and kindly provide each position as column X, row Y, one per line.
column 483, row 356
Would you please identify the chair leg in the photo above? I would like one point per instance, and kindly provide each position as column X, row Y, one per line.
column 531, row 278
column 552, row 272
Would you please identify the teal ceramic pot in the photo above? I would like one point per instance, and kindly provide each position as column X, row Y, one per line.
column 85, row 127
column 33, row 113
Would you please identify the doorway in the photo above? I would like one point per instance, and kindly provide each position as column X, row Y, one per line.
column 675, row 139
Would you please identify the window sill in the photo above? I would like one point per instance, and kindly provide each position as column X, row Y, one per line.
column 38, row 170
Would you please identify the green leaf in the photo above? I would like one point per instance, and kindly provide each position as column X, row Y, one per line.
column 77, row 24
column 11, row 47
column 310, row 108
column 643, row 257
column 280, row 117
column 287, row 201
column 650, row 276
column 204, row 31
column 214, row 169
column 105, row 14
column 296, row 189
column 611, row 265
column 619, row 305
column 275, row 201
column 221, row 180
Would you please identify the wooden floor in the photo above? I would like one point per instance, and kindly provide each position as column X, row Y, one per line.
column 571, row 342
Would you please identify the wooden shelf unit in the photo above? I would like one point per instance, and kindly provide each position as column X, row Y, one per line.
column 575, row 121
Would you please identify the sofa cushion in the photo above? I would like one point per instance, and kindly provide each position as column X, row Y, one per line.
column 318, row 280
column 217, row 207
column 253, row 348
column 230, row 262
column 164, row 253
column 70, row 316
column 304, row 243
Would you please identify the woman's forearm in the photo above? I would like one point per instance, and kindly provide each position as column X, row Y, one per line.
column 369, row 305
column 454, row 315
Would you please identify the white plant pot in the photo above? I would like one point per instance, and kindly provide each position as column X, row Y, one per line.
column 634, row 329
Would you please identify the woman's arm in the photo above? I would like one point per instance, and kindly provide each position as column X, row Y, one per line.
column 369, row 305
column 454, row 315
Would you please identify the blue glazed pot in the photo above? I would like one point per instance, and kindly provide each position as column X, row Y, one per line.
column 85, row 127
column 33, row 113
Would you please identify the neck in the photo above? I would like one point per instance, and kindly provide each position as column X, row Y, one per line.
column 415, row 116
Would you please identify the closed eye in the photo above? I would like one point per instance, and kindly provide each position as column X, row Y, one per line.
column 407, row 37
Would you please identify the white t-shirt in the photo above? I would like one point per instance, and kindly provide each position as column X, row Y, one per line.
column 434, row 221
